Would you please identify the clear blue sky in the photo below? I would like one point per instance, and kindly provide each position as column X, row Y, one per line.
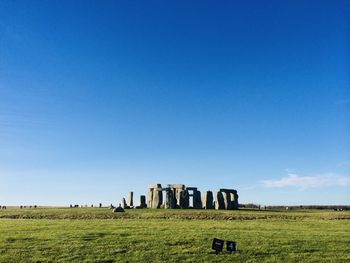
column 101, row 97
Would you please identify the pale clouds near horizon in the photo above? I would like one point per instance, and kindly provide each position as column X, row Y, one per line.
column 305, row 182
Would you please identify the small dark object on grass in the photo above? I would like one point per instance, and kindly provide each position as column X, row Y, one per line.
column 217, row 245
column 230, row 246
column 118, row 209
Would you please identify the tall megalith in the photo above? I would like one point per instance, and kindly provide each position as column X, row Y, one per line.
column 130, row 199
column 219, row 201
column 169, row 199
column 208, row 200
column 143, row 201
column 183, row 199
column 155, row 196
column 197, row 199
column 227, row 200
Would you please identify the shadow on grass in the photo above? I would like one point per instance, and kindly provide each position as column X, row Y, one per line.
column 92, row 236
column 19, row 239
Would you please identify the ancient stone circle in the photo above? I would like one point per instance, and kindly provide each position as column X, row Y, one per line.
column 179, row 196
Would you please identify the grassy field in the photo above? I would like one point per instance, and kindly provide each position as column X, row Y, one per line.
column 98, row 235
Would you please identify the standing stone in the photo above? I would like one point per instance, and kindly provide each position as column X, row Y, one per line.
column 219, row 201
column 131, row 199
column 227, row 200
column 169, row 199
column 208, row 200
column 234, row 198
column 143, row 201
column 197, row 201
column 183, row 199
column 157, row 198
column 176, row 188
column 150, row 198
column 177, row 197
column 178, row 194
column 124, row 204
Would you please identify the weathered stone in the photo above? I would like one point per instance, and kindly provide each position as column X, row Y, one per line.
column 124, row 204
column 179, row 196
column 230, row 198
column 130, row 199
column 150, row 198
column 183, row 199
column 143, row 201
column 169, row 199
column 234, row 200
column 177, row 186
column 154, row 186
column 227, row 200
column 178, row 193
column 197, row 200
column 208, row 200
column 219, row 200
column 228, row 190
column 157, row 198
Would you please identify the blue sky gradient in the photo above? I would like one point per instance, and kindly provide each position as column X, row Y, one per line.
column 101, row 97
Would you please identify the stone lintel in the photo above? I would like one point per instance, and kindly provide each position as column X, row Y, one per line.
column 228, row 190
column 177, row 186
column 153, row 186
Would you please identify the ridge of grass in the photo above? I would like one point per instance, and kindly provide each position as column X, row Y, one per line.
column 185, row 214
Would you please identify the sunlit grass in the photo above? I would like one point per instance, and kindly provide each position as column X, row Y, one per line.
column 92, row 235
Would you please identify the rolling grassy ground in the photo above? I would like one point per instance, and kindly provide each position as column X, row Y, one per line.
column 147, row 235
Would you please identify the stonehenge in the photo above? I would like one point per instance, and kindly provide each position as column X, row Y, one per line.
column 180, row 196
column 183, row 197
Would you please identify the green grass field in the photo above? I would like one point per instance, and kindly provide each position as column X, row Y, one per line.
column 98, row 235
